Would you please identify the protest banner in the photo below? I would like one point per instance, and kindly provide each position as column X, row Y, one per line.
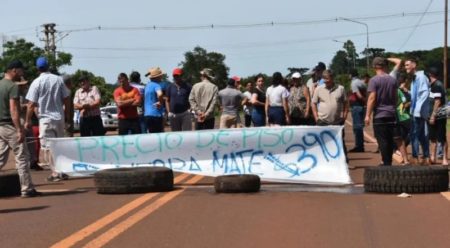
column 304, row 154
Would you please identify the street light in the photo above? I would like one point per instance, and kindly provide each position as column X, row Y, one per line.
column 354, row 52
column 367, row 31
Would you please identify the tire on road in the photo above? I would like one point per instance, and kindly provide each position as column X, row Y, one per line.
column 9, row 183
column 133, row 180
column 237, row 184
column 408, row 179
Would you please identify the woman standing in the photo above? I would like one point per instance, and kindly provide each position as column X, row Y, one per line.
column 299, row 101
column 259, row 100
column 277, row 107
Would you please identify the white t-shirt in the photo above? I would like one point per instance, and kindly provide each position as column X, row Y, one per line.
column 248, row 108
column 276, row 95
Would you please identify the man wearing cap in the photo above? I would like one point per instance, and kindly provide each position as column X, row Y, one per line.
column 382, row 102
column 12, row 133
column 358, row 104
column 87, row 101
column 316, row 78
column 177, row 103
column 154, row 102
column 420, row 111
column 50, row 95
column 230, row 100
column 203, row 100
column 127, row 99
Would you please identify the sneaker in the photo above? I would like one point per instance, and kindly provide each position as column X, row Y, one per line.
column 63, row 176
column 53, row 178
column 31, row 193
column 356, row 149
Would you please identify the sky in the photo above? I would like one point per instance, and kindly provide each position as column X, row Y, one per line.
column 301, row 35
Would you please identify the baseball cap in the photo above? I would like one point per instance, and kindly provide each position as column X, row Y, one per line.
column 236, row 78
column 177, row 71
column 42, row 63
column 296, row 75
column 15, row 64
column 320, row 66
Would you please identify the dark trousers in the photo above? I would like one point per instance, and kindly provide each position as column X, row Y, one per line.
column 248, row 120
column 384, row 129
column 358, row 113
column 154, row 124
column 91, row 126
column 207, row 124
column 127, row 126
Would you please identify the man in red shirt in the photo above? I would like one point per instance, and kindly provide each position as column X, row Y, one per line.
column 127, row 99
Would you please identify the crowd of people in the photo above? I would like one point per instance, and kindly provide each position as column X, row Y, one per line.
column 404, row 106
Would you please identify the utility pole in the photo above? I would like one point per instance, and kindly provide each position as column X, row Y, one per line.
column 49, row 39
column 445, row 46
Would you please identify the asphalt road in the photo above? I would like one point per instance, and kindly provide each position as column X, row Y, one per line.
column 72, row 214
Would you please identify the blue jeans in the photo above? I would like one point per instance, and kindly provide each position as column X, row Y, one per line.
column 258, row 117
column 419, row 134
column 358, row 114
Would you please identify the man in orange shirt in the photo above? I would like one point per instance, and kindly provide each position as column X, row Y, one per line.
column 127, row 99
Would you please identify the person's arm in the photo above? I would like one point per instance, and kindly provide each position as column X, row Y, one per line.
column 266, row 108
column 192, row 100
column 308, row 102
column 370, row 105
column 30, row 110
column 15, row 116
column 97, row 98
column 136, row 100
column 345, row 109
column 255, row 101
column 212, row 106
column 76, row 101
column 436, row 105
column 286, row 110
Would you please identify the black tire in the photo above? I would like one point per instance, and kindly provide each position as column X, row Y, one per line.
column 408, row 179
column 9, row 183
column 237, row 184
column 133, row 180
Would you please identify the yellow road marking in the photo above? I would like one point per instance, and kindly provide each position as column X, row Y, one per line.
column 90, row 229
column 135, row 218
column 446, row 195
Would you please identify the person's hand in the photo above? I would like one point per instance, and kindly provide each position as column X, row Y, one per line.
column 367, row 120
column 157, row 105
column 288, row 119
column 20, row 135
column 170, row 115
column 86, row 106
column 432, row 120
column 306, row 115
column 27, row 125
column 201, row 117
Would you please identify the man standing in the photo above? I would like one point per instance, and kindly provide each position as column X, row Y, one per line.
column 230, row 100
column 87, row 101
column 12, row 133
column 177, row 103
column 52, row 98
column 330, row 104
column 154, row 102
column 316, row 77
column 438, row 118
column 382, row 101
column 420, row 111
column 127, row 99
column 135, row 81
column 203, row 99
column 248, row 107
column 358, row 104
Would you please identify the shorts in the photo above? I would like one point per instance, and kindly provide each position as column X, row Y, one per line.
column 277, row 116
column 228, row 121
column 438, row 131
column 402, row 130
column 50, row 129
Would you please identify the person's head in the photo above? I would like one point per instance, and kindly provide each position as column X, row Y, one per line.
column 433, row 73
column 411, row 65
column 296, row 78
column 328, row 77
column 366, row 78
column 249, row 86
column 379, row 63
column 231, row 83
column 319, row 68
column 259, row 81
column 42, row 64
column 177, row 74
column 277, row 79
column 123, row 79
column 207, row 74
column 84, row 82
column 155, row 74
column 135, row 77
column 237, row 82
column 353, row 73
column 14, row 70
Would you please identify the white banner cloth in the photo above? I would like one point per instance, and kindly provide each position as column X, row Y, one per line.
column 304, row 154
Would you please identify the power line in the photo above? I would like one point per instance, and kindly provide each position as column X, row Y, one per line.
column 415, row 27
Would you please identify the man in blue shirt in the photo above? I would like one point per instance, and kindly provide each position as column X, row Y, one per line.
column 154, row 102
column 420, row 111
column 177, row 103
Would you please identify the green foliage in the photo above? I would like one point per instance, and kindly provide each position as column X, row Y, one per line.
column 198, row 59
column 27, row 52
column 106, row 90
column 340, row 63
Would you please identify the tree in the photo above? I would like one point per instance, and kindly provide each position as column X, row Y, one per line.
column 198, row 59
column 339, row 63
column 351, row 52
column 301, row 70
column 27, row 52
column 106, row 90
